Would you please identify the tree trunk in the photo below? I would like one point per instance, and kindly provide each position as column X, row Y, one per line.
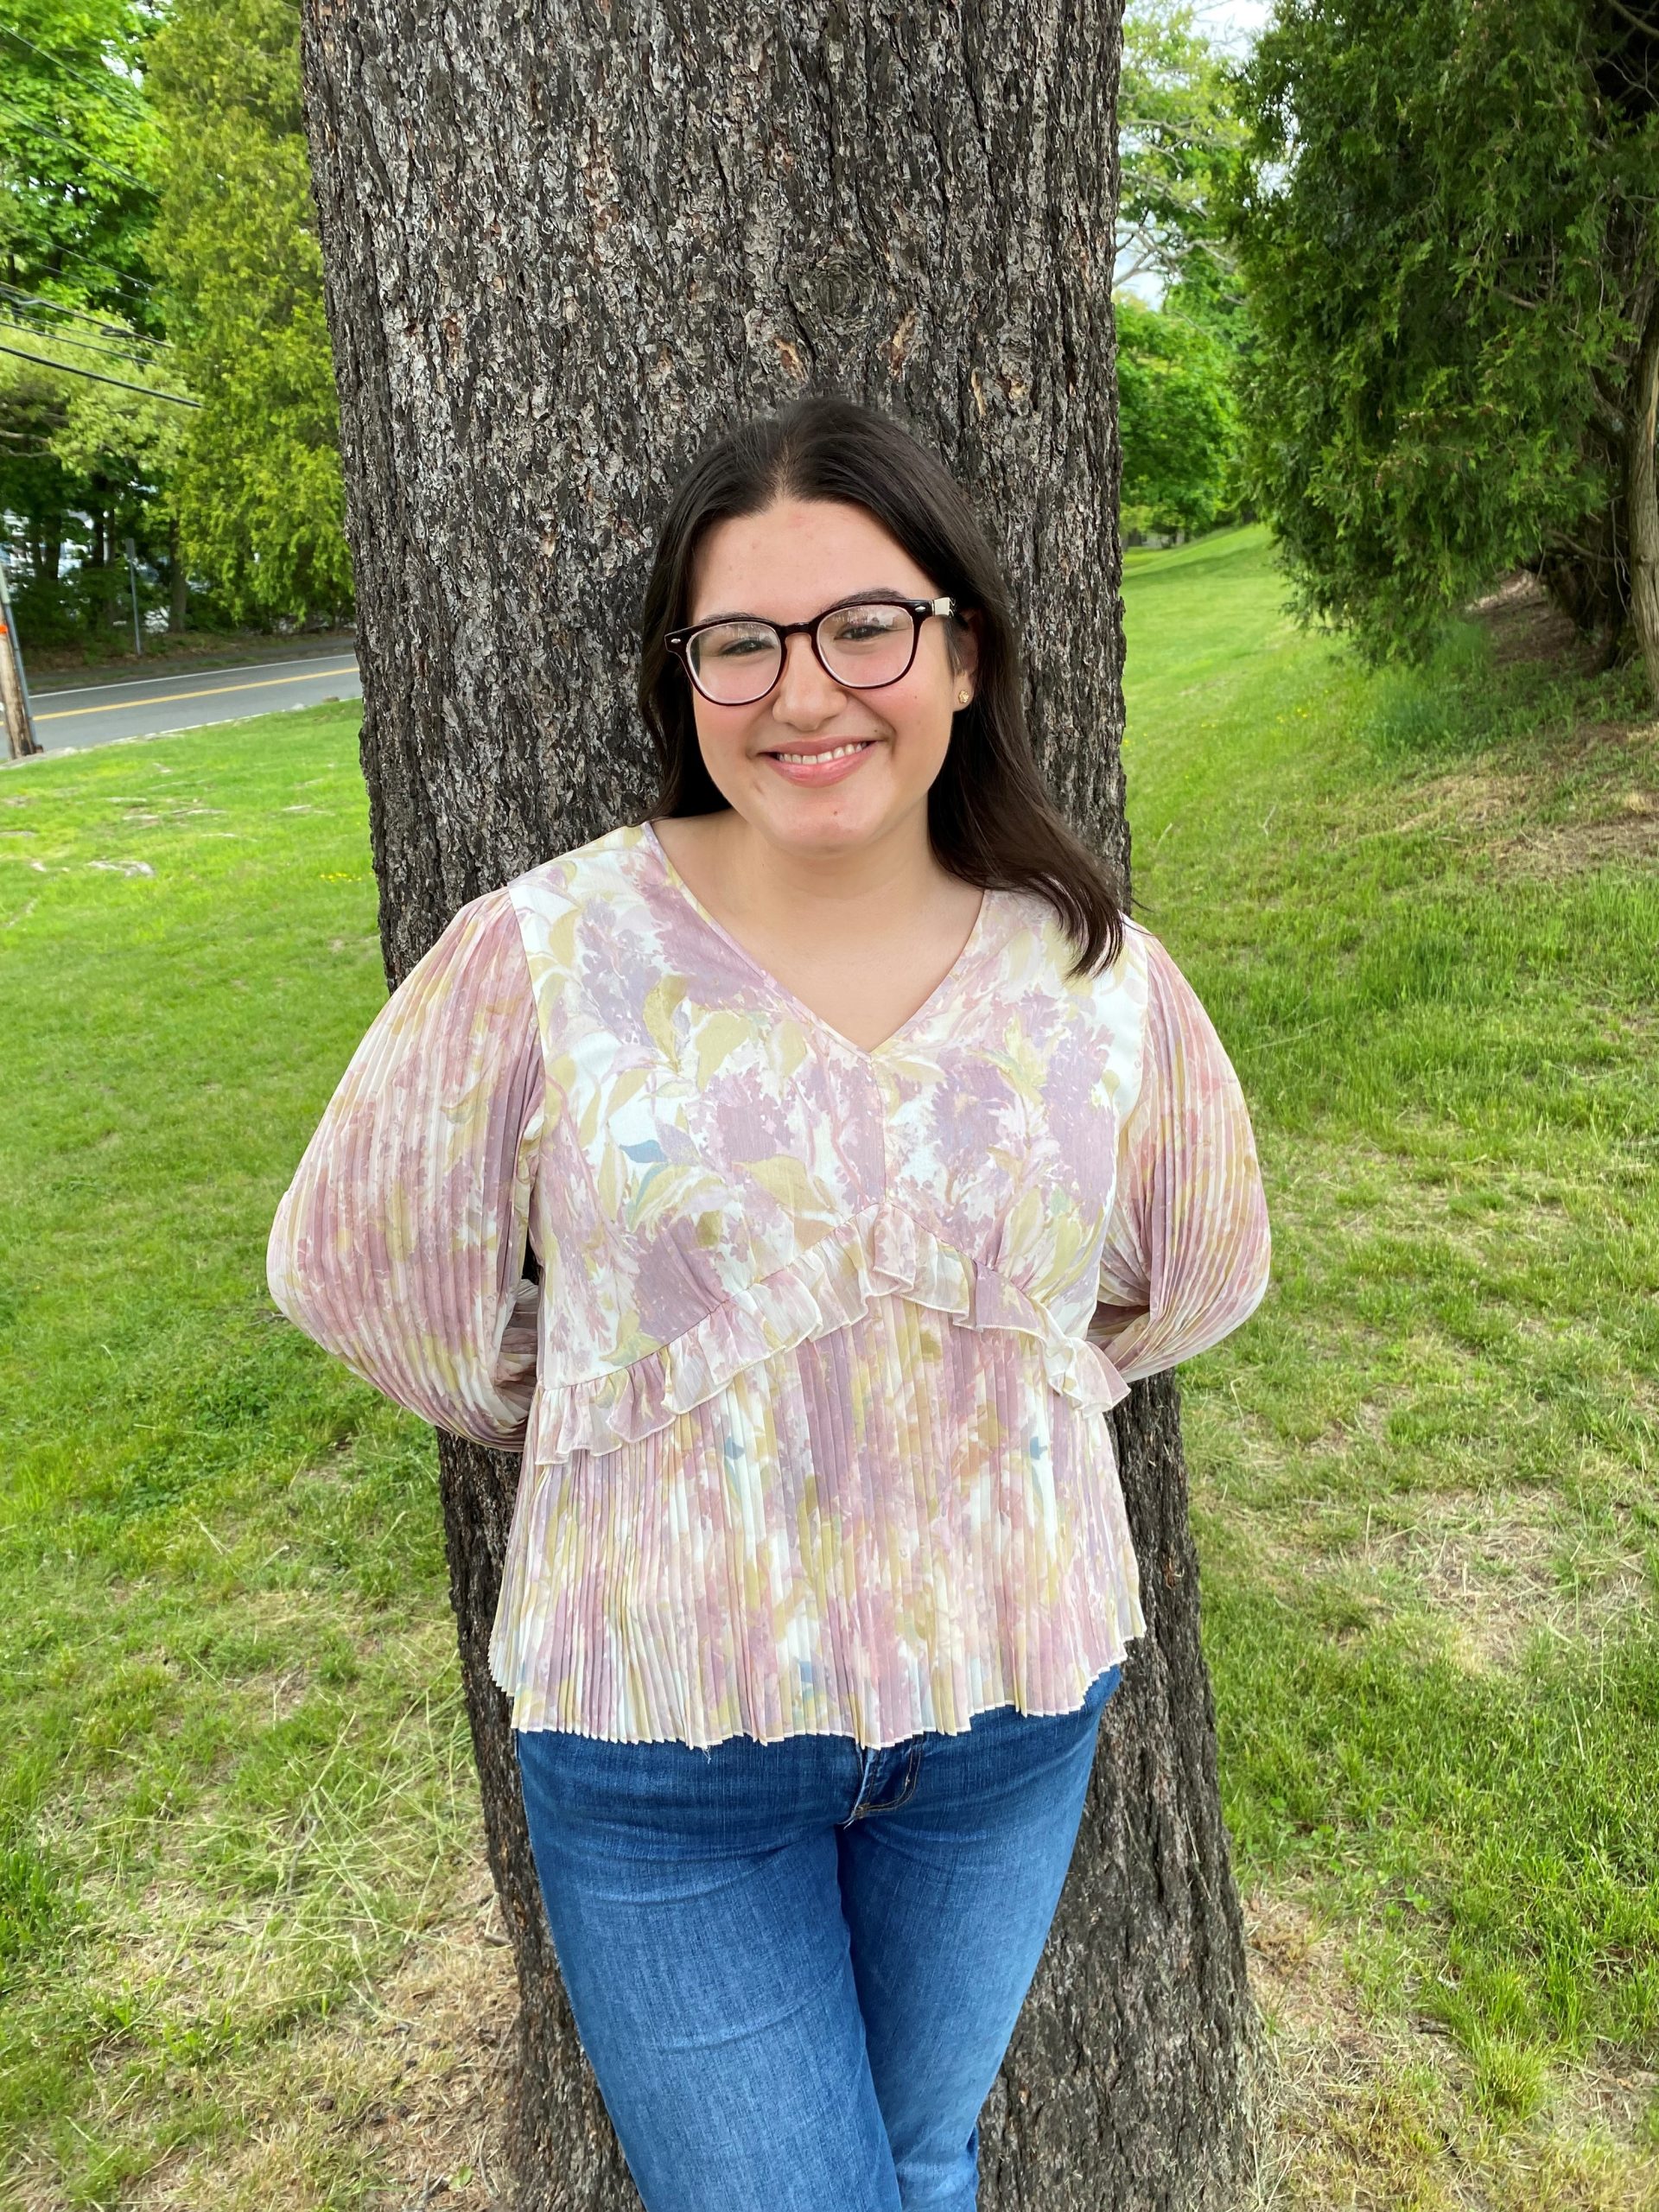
column 1642, row 492
column 560, row 245
column 1586, row 574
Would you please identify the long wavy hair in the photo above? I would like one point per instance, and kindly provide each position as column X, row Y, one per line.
column 990, row 818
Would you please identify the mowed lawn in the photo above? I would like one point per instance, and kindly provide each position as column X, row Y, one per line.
column 246, row 1954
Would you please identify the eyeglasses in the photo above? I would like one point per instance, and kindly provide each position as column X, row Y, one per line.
column 861, row 645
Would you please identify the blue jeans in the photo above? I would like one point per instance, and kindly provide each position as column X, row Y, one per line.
column 795, row 1968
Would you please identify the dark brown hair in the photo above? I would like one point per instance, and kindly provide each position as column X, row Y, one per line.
column 991, row 819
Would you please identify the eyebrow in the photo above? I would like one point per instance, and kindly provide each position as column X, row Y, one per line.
column 848, row 599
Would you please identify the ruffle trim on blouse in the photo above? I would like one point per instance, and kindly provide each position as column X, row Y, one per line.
column 883, row 1252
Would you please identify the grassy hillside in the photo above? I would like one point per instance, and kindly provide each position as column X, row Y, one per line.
column 246, row 1946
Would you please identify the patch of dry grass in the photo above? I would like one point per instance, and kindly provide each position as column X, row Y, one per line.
column 1365, row 2108
column 397, row 2102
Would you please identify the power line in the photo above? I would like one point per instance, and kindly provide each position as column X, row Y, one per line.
column 99, row 322
column 109, row 80
column 93, row 377
column 80, row 345
column 93, row 161
column 128, row 283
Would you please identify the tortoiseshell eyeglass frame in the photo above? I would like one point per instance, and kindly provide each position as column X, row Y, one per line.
column 678, row 642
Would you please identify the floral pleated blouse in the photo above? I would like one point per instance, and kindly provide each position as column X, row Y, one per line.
column 811, row 1391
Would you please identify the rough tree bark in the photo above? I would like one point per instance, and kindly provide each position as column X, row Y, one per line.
column 1642, row 486
column 560, row 243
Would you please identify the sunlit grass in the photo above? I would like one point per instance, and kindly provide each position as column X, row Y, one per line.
column 235, row 1777
column 1424, row 1473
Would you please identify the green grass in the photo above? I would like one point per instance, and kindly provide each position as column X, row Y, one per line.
column 1424, row 1473
column 234, row 1775
column 235, row 1789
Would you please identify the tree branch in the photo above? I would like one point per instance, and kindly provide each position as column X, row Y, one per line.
column 1647, row 25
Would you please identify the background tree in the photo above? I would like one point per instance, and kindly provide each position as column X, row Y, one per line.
column 96, row 470
column 36, row 490
column 1178, row 137
column 1183, row 329
column 83, row 464
column 561, row 247
column 259, row 493
column 1178, row 424
column 78, row 146
column 156, row 220
column 1446, row 225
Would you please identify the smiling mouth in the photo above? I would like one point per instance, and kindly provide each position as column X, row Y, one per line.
column 826, row 752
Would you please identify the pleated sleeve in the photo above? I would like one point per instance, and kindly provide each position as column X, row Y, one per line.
column 1187, row 1245
column 399, row 1246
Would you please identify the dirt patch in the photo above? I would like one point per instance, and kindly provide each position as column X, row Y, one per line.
column 398, row 2105
column 1470, row 800
column 1576, row 792
column 1502, row 1570
column 1614, row 819
column 1495, row 1571
column 1524, row 624
column 1352, row 2113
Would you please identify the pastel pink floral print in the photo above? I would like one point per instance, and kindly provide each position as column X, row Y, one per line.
column 812, row 1393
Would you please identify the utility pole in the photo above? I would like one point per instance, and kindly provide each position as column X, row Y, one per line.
column 132, row 586
column 14, row 688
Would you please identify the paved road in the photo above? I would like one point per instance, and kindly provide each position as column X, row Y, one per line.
column 146, row 706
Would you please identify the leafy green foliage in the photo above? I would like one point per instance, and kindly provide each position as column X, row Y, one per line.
column 1447, row 228
column 260, row 488
column 1176, row 419
column 1177, row 362
column 78, row 147
column 196, row 272
column 83, row 463
column 98, row 469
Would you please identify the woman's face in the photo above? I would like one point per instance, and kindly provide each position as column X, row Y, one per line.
column 789, row 564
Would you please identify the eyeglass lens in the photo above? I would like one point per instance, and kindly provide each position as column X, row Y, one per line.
column 736, row 662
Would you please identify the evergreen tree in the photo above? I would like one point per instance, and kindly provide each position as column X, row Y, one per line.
column 1448, row 223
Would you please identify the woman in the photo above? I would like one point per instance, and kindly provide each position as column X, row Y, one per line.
column 868, row 1154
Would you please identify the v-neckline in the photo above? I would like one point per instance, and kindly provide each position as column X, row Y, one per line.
column 971, row 945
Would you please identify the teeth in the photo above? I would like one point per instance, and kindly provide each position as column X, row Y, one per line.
column 839, row 753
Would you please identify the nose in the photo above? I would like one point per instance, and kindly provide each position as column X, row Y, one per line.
column 806, row 694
